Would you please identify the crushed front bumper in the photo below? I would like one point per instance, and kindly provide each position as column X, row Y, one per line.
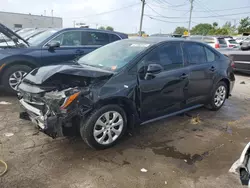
column 49, row 124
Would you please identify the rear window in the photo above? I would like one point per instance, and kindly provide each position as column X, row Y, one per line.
column 232, row 42
column 208, row 40
column 222, row 41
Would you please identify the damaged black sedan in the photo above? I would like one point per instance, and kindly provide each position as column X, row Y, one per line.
column 124, row 84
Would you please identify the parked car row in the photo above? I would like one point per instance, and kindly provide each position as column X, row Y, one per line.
column 39, row 47
column 217, row 41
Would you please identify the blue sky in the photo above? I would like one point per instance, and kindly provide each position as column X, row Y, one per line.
column 127, row 19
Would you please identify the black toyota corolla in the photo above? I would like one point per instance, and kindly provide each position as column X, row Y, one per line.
column 124, row 84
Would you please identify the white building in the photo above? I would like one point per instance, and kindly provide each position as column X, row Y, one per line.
column 18, row 20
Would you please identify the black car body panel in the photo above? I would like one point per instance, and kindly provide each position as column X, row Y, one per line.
column 145, row 96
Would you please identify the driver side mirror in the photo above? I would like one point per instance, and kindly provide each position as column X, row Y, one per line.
column 149, row 72
column 154, row 68
column 53, row 45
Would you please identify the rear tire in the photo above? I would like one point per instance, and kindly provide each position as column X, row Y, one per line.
column 9, row 75
column 100, row 133
column 218, row 97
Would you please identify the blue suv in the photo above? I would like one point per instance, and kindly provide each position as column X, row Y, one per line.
column 53, row 46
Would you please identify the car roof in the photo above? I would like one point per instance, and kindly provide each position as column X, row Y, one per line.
column 90, row 29
column 155, row 40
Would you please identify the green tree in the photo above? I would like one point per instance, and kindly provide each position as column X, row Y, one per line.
column 201, row 29
column 101, row 27
column 215, row 25
column 244, row 25
column 180, row 30
column 221, row 31
column 232, row 30
column 109, row 28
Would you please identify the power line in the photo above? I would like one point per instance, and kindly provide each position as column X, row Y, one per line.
column 212, row 10
column 107, row 12
column 155, row 11
column 163, row 20
column 215, row 16
column 160, row 2
column 199, row 3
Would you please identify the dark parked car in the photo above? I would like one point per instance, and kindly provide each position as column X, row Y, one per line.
column 53, row 46
column 123, row 84
column 241, row 60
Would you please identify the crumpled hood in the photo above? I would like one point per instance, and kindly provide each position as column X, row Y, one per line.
column 40, row 75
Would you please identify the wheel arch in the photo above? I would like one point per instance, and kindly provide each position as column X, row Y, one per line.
column 14, row 63
column 126, row 104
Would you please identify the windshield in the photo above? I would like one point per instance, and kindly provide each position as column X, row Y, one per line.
column 232, row 42
column 36, row 40
column 115, row 55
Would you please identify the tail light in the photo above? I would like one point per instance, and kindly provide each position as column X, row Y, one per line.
column 217, row 45
column 230, row 45
column 232, row 64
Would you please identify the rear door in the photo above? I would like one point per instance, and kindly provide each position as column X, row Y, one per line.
column 201, row 62
column 164, row 92
column 70, row 45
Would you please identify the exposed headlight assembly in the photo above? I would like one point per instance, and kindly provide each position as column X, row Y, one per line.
column 62, row 98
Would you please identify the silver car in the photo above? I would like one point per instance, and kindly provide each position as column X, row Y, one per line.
column 231, row 43
column 214, row 41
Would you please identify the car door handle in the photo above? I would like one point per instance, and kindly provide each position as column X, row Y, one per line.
column 212, row 69
column 184, row 76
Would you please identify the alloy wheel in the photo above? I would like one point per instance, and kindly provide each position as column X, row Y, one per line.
column 15, row 79
column 220, row 96
column 108, row 127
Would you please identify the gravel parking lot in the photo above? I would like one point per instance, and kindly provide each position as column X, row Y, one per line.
column 191, row 150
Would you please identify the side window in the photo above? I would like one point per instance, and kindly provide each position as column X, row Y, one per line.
column 113, row 37
column 211, row 56
column 95, row 38
column 169, row 56
column 69, row 38
column 194, row 53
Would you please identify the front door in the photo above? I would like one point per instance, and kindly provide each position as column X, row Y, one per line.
column 70, row 48
column 162, row 92
column 202, row 65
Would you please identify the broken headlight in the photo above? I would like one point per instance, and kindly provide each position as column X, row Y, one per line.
column 62, row 98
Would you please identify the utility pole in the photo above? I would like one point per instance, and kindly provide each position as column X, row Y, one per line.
column 142, row 13
column 190, row 16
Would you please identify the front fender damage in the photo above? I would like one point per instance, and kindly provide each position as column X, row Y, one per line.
column 53, row 119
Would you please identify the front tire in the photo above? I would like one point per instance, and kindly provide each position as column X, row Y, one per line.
column 13, row 76
column 104, row 127
column 219, row 96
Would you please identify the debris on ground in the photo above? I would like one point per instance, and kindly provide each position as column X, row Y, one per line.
column 185, row 160
column 242, row 82
column 166, row 182
column 229, row 130
column 144, row 170
column 8, row 134
column 4, row 103
column 195, row 120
